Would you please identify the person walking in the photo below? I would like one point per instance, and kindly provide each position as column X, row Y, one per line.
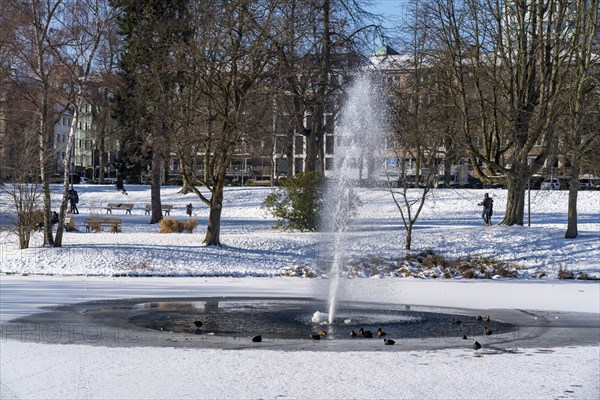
column 73, row 200
column 488, row 205
column 188, row 209
column 120, row 187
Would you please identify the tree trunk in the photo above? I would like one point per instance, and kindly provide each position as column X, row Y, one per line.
column 418, row 167
column 515, row 201
column 314, row 155
column 67, row 165
column 573, row 192
column 102, row 158
column 61, row 218
column 185, row 187
column 186, row 172
column 213, row 230
column 165, row 169
column 206, row 161
column 408, row 237
column 320, row 154
column 157, row 163
column 311, row 152
column 288, row 152
column 44, row 172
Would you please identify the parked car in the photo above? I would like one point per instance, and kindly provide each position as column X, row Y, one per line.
column 550, row 184
column 474, row 183
column 536, row 182
column 586, row 184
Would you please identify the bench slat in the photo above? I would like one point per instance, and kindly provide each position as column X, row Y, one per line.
column 165, row 207
column 114, row 223
column 120, row 206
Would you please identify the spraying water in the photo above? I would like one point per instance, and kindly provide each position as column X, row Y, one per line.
column 358, row 157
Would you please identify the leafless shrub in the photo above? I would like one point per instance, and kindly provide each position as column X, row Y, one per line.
column 169, row 225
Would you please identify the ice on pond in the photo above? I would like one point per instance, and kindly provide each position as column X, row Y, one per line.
column 320, row 318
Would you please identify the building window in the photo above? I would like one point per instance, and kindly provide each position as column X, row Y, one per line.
column 298, row 166
column 329, row 123
column 298, row 144
column 329, row 144
column 328, row 164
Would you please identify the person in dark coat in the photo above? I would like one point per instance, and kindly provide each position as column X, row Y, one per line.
column 120, row 187
column 488, row 206
column 73, row 200
column 188, row 209
column 54, row 218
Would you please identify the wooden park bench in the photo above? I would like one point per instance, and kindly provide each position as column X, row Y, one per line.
column 119, row 206
column 97, row 223
column 165, row 207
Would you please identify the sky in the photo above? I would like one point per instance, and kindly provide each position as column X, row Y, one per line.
column 393, row 13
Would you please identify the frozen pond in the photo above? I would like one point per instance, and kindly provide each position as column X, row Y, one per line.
column 287, row 324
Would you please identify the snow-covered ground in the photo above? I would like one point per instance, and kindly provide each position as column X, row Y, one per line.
column 249, row 264
column 45, row 370
column 450, row 225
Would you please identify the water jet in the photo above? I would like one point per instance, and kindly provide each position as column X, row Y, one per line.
column 357, row 159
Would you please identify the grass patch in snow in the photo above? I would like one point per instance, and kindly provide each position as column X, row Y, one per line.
column 301, row 271
column 430, row 265
column 566, row 273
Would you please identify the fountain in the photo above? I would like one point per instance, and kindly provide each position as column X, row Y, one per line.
column 358, row 154
column 235, row 323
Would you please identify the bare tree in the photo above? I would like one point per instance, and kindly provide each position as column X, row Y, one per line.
column 419, row 123
column 24, row 188
column 318, row 47
column 51, row 49
column 506, row 66
column 582, row 118
column 227, row 68
column 34, row 74
column 82, row 26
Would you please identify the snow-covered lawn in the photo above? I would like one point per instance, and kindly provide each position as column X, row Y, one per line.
column 84, row 372
column 450, row 225
column 250, row 263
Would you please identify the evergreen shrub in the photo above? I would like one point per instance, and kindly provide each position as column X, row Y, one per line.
column 296, row 203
